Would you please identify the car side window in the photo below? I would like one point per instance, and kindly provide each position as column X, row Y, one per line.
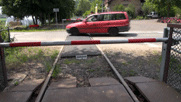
column 100, row 17
column 107, row 17
column 118, row 16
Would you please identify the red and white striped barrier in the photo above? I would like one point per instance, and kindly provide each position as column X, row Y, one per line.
column 83, row 42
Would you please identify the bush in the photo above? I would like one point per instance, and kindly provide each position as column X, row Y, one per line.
column 118, row 8
column 4, row 34
column 13, row 24
column 148, row 7
column 86, row 13
column 139, row 17
column 130, row 10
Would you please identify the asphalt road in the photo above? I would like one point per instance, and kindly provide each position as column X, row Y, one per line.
column 139, row 29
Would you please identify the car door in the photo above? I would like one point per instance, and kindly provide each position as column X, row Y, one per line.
column 104, row 23
column 90, row 25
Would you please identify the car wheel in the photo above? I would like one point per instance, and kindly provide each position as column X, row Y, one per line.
column 113, row 31
column 74, row 31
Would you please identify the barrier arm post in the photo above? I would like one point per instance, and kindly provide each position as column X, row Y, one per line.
column 166, row 47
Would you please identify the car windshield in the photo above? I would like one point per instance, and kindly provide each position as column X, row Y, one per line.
column 92, row 18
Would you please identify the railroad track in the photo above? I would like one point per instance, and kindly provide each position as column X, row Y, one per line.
column 114, row 70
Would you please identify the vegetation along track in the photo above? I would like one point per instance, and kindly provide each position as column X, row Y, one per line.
column 93, row 66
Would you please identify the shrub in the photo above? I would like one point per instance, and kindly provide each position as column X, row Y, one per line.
column 86, row 13
column 4, row 34
column 130, row 10
column 148, row 7
column 139, row 17
column 13, row 24
column 118, row 8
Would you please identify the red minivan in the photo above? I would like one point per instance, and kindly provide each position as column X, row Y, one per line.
column 107, row 22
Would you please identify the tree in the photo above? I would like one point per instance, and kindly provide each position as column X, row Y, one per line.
column 40, row 9
column 118, row 7
column 166, row 6
column 130, row 10
column 93, row 5
column 148, row 7
column 83, row 6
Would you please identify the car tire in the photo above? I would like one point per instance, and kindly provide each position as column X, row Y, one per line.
column 74, row 31
column 113, row 31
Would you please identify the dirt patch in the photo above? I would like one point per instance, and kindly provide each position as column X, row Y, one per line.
column 135, row 59
column 93, row 66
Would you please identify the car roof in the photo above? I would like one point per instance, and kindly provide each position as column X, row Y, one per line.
column 108, row 13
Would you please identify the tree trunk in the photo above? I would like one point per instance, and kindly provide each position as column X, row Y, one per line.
column 33, row 19
column 49, row 18
column 36, row 20
column 41, row 18
column 45, row 19
column 168, row 11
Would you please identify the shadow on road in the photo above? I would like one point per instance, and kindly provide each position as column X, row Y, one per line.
column 107, row 35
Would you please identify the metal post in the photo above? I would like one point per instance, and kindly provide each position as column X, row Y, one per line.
column 167, row 60
column 3, row 72
column 164, row 47
column 9, row 35
column 166, row 55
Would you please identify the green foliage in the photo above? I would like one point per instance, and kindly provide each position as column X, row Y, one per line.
column 4, row 34
column 54, row 55
column 130, row 10
column 48, row 66
column 41, row 9
column 118, row 7
column 93, row 5
column 67, row 61
column 91, row 70
column 56, row 71
column 16, row 83
column 139, row 17
column 177, row 11
column 83, row 6
column 165, row 7
column 148, row 7
column 86, row 13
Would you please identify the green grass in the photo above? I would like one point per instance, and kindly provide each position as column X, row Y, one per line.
column 16, row 83
column 91, row 70
column 90, row 61
column 124, row 63
column 54, row 55
column 36, row 30
column 67, row 61
column 18, row 55
column 48, row 66
column 132, row 73
column 56, row 71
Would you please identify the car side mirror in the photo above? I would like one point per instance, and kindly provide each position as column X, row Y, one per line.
column 84, row 21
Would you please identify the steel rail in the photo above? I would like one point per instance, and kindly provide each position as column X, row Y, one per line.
column 119, row 76
column 47, row 80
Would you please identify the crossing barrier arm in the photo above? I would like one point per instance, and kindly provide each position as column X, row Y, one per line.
column 83, row 42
